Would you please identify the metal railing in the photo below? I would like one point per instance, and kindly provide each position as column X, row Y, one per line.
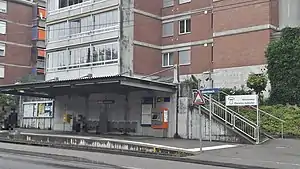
column 267, row 114
column 230, row 117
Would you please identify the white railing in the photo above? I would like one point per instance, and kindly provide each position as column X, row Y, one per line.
column 230, row 117
column 84, row 65
column 267, row 114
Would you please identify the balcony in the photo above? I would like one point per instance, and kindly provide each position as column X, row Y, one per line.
column 81, row 8
column 86, row 37
column 99, row 69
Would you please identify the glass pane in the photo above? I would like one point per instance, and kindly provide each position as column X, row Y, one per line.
column 184, row 57
column 108, row 52
column 188, row 25
column 115, row 51
column 95, row 54
column 101, row 52
column 171, row 58
column 165, row 59
column 181, row 27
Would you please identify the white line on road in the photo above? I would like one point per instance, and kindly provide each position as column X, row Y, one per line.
column 212, row 148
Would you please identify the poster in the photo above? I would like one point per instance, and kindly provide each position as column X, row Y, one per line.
column 38, row 109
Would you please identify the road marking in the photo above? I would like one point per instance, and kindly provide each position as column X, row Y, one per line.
column 213, row 148
column 136, row 142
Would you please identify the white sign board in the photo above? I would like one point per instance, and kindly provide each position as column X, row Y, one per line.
column 242, row 100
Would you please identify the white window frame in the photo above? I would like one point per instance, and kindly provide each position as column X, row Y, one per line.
column 190, row 56
column 185, row 26
column 4, row 9
column 3, row 24
column 184, row 1
column 2, row 71
column 2, row 47
column 168, row 55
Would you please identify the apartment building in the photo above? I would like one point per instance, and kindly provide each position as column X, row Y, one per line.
column 16, row 45
column 221, row 39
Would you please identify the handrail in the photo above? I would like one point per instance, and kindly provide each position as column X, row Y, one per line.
column 232, row 111
column 261, row 110
column 234, row 114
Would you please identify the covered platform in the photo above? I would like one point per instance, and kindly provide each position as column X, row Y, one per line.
column 102, row 104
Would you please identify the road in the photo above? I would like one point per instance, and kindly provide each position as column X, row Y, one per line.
column 14, row 158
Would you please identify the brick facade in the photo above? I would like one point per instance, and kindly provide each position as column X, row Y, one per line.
column 239, row 29
column 17, row 60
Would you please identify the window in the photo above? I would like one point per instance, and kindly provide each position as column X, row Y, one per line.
column 167, row 59
column 57, row 31
column 65, row 3
column 75, row 26
column 2, row 71
column 168, row 3
column 185, row 26
column 3, row 6
column 106, row 20
column 77, row 57
column 2, row 27
column 184, row 57
column 184, row 1
column 168, row 29
column 2, row 49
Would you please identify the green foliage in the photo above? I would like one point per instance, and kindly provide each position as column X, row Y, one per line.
column 257, row 82
column 192, row 82
column 283, row 58
column 290, row 114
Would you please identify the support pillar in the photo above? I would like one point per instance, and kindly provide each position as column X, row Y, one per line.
column 126, row 113
column 87, row 111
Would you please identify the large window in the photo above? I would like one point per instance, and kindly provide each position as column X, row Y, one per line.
column 167, row 59
column 184, row 57
column 65, row 3
column 58, row 31
column 106, row 20
column 101, row 22
column 2, row 49
column 168, row 29
column 84, row 56
column 2, row 27
column 3, row 6
column 185, row 26
column 184, row 1
column 168, row 3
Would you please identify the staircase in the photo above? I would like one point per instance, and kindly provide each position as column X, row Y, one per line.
column 239, row 124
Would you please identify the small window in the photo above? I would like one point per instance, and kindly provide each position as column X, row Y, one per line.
column 2, row 27
column 168, row 3
column 184, row 1
column 184, row 57
column 167, row 59
column 3, row 6
column 185, row 26
column 168, row 29
column 2, row 49
column 2, row 71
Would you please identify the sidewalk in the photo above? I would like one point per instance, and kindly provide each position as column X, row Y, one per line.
column 281, row 154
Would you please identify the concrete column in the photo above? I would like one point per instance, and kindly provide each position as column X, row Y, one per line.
column 87, row 111
column 126, row 112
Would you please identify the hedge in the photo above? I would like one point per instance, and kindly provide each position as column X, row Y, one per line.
column 290, row 114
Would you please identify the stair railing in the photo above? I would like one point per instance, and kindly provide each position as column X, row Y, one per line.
column 229, row 117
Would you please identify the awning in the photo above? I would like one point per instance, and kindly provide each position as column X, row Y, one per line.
column 109, row 84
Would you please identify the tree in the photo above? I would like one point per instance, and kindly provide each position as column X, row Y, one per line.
column 257, row 82
column 283, row 57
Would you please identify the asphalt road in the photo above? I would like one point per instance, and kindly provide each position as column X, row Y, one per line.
column 15, row 159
